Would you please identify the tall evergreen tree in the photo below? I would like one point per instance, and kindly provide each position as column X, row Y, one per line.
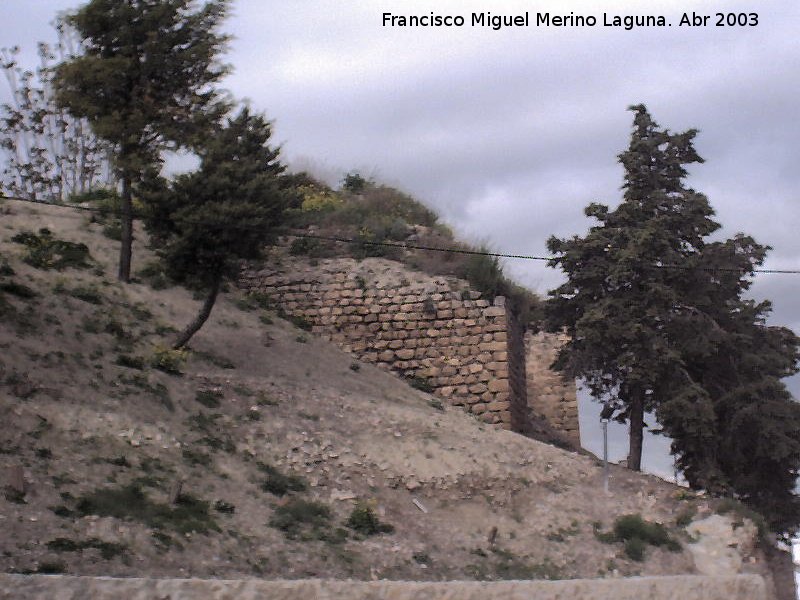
column 616, row 302
column 657, row 321
column 734, row 363
column 206, row 222
column 144, row 82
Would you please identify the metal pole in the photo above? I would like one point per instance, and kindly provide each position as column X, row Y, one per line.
column 605, row 454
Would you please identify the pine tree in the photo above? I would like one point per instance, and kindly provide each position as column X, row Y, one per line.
column 144, row 82
column 206, row 222
column 617, row 300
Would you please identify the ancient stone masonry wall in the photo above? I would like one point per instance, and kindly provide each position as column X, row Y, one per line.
column 426, row 328
column 550, row 394
column 470, row 352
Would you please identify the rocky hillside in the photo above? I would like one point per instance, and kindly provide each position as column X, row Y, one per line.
column 264, row 452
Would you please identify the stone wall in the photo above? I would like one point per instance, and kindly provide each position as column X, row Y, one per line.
column 550, row 394
column 434, row 331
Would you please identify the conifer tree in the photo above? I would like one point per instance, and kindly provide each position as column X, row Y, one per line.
column 616, row 301
column 144, row 82
column 658, row 321
column 207, row 221
column 734, row 361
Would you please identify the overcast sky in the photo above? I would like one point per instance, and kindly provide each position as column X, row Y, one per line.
column 508, row 134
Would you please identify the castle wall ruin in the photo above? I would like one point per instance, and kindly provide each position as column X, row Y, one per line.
column 434, row 331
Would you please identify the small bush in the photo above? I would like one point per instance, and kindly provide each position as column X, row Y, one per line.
column 635, row 533
column 130, row 362
column 108, row 550
column 168, row 360
column 130, row 502
column 436, row 403
column 297, row 320
column 364, row 520
column 303, row 246
column 17, row 289
column 224, row 507
column 46, row 252
column 209, row 398
column 634, row 549
column 54, row 567
column 6, row 270
column 13, row 495
column 421, row 384
column 278, row 483
column 685, row 516
column 196, row 457
column 298, row 516
column 88, row 294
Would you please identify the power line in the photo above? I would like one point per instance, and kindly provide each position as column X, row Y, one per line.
column 401, row 245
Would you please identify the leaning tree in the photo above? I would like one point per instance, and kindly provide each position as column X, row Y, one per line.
column 206, row 222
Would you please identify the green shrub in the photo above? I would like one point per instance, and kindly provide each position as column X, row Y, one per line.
column 209, row 398
column 88, row 294
column 685, row 516
column 155, row 274
column 188, row 515
column 168, row 360
column 196, row 457
column 298, row 321
column 224, row 507
column 636, row 533
column 634, row 549
column 298, row 516
column 354, row 183
column 421, row 384
column 278, row 483
column 130, row 362
column 108, row 550
column 304, row 246
column 364, row 520
column 46, row 252
column 17, row 289
column 49, row 567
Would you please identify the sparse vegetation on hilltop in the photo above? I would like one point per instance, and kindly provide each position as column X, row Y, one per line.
column 385, row 222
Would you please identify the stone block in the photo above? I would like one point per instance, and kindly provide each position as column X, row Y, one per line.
column 493, row 347
column 477, row 389
column 494, row 312
column 498, row 405
column 498, row 385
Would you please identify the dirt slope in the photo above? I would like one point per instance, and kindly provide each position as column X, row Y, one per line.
column 260, row 406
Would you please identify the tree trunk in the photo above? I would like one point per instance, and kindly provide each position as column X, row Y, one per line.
column 636, row 434
column 201, row 318
column 126, row 219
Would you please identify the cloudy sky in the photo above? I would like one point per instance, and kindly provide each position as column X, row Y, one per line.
column 508, row 134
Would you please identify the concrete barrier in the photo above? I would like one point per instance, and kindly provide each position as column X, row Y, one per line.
column 682, row 587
